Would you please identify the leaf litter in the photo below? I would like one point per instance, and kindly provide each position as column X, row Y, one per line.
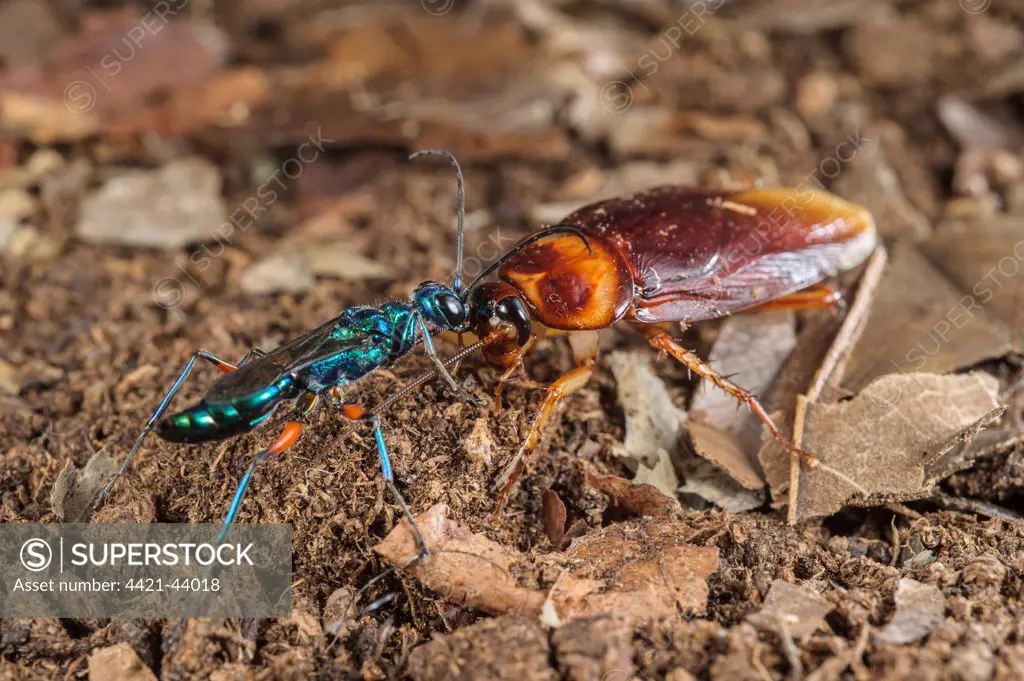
column 639, row 569
column 528, row 118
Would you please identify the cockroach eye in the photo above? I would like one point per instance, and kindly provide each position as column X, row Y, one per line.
column 513, row 311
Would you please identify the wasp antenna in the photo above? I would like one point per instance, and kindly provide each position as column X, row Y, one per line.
column 459, row 237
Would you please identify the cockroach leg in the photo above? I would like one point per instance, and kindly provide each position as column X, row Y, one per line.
column 500, row 388
column 662, row 341
column 517, row 365
column 820, row 297
column 584, row 348
column 557, row 391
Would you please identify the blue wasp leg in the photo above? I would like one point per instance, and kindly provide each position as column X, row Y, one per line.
column 389, row 479
column 354, row 412
column 287, row 438
column 201, row 354
column 441, row 370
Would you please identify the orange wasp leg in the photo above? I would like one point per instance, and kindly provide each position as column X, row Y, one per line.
column 661, row 340
column 584, row 348
column 820, row 297
column 288, row 437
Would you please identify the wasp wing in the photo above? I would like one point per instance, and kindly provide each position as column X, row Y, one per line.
column 322, row 343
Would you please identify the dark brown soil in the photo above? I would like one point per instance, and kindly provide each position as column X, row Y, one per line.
column 93, row 351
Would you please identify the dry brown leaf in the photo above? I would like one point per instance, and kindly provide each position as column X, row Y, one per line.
column 554, row 514
column 118, row 662
column 802, row 610
column 813, row 372
column 652, row 419
column 883, row 439
column 918, row 324
column 724, row 449
column 630, row 497
column 640, row 570
column 478, row 573
column 986, row 263
column 920, row 610
column 75, row 490
column 712, row 484
column 750, row 349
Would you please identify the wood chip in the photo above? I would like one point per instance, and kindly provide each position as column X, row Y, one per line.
column 281, row 273
column 75, row 490
column 802, row 609
column 920, row 610
column 175, row 205
column 118, row 662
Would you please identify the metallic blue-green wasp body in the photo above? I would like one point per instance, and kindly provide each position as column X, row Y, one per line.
column 354, row 344
column 333, row 356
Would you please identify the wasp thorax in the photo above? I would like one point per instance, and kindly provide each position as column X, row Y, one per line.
column 440, row 305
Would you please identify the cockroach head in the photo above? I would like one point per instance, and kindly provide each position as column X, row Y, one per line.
column 440, row 305
column 494, row 303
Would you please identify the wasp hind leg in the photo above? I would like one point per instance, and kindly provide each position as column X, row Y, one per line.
column 222, row 365
column 355, row 412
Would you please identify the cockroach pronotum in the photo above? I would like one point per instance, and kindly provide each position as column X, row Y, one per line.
column 658, row 258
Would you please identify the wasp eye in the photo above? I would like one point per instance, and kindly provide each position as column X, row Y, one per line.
column 451, row 308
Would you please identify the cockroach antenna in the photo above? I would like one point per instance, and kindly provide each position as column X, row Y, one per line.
column 536, row 236
column 457, row 283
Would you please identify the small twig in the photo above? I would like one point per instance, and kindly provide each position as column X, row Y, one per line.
column 833, row 667
column 903, row 510
column 832, row 369
column 895, row 542
column 755, row 661
column 796, row 667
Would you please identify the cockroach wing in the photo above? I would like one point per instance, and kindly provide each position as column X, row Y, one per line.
column 697, row 254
